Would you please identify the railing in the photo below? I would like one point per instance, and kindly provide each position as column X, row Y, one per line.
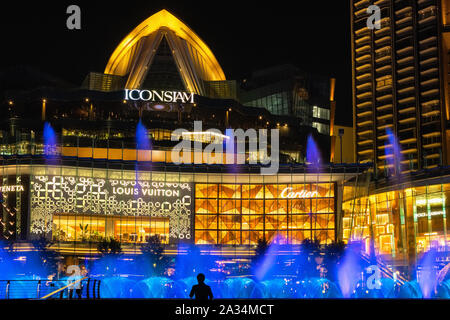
column 50, row 289
column 387, row 271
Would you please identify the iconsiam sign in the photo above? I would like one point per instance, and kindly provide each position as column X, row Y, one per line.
column 159, row 96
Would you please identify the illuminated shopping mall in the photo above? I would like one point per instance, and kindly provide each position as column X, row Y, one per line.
column 95, row 162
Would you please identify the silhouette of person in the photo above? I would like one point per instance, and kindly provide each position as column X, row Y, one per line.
column 201, row 290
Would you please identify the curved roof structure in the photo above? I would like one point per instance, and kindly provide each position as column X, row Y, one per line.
column 134, row 55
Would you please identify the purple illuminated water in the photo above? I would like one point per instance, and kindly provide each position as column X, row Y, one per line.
column 313, row 156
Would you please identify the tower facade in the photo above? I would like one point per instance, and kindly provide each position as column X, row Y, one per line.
column 400, row 85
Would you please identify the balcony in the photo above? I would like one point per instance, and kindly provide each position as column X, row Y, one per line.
column 364, row 87
column 363, row 68
column 403, row 11
column 431, row 39
column 362, row 3
column 405, row 60
column 429, row 82
column 429, row 72
column 384, row 69
column 429, row 61
column 404, row 31
column 362, row 50
column 385, row 126
column 406, row 90
column 363, row 114
column 383, row 40
column 404, row 20
column 364, row 95
column 364, row 123
column 405, row 80
column 406, row 100
column 364, row 58
column 428, row 51
column 406, row 70
column 365, row 142
column 431, row 92
column 363, row 77
column 406, row 110
column 405, row 50
column 384, row 98
column 384, row 107
column 384, row 117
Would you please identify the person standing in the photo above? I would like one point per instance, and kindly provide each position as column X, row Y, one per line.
column 201, row 291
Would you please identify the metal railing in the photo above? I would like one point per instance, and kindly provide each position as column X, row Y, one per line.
column 85, row 288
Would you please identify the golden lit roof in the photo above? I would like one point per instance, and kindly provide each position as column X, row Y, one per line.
column 135, row 53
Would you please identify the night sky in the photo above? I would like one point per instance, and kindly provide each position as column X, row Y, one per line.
column 243, row 35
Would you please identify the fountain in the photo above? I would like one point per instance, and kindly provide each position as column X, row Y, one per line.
column 313, row 156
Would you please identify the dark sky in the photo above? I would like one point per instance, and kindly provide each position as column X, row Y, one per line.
column 244, row 36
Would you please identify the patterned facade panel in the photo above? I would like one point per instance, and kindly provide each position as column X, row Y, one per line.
column 109, row 197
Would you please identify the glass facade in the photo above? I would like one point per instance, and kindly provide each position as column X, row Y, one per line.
column 78, row 206
column 277, row 103
column 86, row 228
column 244, row 213
column 412, row 218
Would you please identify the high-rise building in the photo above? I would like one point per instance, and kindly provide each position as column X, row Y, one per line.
column 400, row 85
column 286, row 90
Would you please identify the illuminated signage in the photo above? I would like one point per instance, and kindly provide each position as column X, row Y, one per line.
column 159, row 96
column 13, row 188
column 433, row 213
column 287, row 193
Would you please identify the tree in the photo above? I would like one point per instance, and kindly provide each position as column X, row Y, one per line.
column 333, row 254
column 109, row 247
column 153, row 256
column 310, row 246
column 260, row 251
column 261, row 248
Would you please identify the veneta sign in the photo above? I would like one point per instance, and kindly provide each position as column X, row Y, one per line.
column 159, row 96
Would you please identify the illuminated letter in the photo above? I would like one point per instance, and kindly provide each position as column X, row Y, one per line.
column 74, row 20
column 274, row 159
column 198, row 145
column 184, row 147
column 283, row 193
column 167, row 96
column 373, row 281
column 240, row 142
column 142, row 96
column 215, row 146
column 159, row 96
column 188, row 97
column 177, row 95
column 131, row 95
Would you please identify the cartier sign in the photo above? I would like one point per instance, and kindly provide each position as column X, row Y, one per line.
column 287, row 193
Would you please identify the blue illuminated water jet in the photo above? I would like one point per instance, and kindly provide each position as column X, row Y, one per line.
column 313, row 156
column 50, row 142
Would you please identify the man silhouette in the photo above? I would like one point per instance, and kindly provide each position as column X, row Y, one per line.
column 201, row 290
